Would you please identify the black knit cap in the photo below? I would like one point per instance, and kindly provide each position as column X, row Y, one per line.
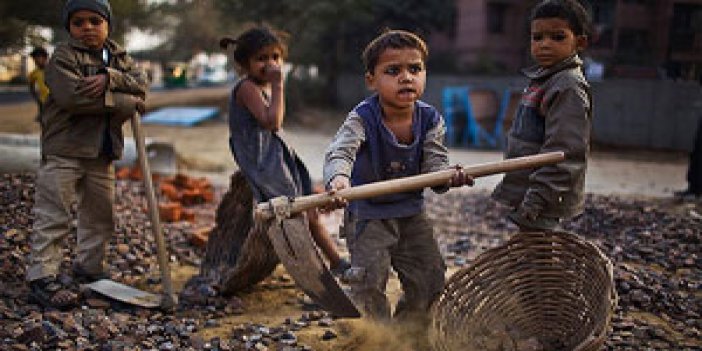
column 39, row 51
column 101, row 7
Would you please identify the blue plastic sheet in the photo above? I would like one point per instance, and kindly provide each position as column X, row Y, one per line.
column 180, row 116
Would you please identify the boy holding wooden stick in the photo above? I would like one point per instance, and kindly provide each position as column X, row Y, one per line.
column 390, row 135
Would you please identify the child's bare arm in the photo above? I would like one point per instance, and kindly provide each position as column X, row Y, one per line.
column 268, row 114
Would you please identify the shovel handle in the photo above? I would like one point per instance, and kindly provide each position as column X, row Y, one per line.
column 168, row 301
column 264, row 210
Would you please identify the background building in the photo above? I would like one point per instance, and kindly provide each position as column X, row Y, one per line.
column 634, row 38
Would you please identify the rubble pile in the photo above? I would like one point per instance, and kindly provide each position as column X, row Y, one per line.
column 656, row 253
column 108, row 325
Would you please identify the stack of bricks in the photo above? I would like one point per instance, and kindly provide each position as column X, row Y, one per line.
column 181, row 191
column 176, row 194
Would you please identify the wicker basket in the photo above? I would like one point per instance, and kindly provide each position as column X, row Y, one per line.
column 538, row 291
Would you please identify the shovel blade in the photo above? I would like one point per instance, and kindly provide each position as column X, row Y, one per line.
column 293, row 243
column 125, row 293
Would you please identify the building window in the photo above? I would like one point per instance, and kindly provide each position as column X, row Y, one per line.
column 686, row 27
column 496, row 18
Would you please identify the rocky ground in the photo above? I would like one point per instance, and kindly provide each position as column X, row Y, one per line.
column 655, row 246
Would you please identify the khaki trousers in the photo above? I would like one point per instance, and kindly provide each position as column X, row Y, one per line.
column 409, row 247
column 62, row 182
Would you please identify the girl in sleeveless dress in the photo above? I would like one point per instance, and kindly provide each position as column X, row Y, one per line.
column 256, row 114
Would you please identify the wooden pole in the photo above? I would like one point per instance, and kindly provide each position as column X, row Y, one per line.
column 264, row 211
column 168, row 301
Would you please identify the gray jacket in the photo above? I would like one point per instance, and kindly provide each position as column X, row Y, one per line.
column 74, row 125
column 555, row 114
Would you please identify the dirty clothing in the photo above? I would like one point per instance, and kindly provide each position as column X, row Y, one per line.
column 555, row 114
column 270, row 165
column 366, row 151
column 78, row 126
column 80, row 137
column 61, row 181
column 390, row 231
column 408, row 246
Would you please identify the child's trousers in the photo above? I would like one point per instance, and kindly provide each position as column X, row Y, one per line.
column 61, row 182
column 408, row 246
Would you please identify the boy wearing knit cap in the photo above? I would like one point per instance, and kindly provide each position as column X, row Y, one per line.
column 95, row 88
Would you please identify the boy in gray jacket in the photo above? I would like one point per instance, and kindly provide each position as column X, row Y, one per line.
column 555, row 114
column 95, row 87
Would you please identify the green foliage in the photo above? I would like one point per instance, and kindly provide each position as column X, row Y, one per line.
column 332, row 35
column 190, row 26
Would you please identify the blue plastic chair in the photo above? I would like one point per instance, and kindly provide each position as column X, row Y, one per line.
column 456, row 101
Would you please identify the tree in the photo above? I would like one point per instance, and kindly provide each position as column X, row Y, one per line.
column 331, row 35
column 190, row 27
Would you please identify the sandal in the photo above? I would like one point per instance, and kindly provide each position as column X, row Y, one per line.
column 50, row 293
column 83, row 277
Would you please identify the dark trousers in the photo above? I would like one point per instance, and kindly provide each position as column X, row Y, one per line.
column 694, row 171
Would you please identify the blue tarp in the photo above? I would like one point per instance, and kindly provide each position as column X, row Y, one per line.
column 180, row 116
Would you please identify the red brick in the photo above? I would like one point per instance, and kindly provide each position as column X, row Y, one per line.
column 188, row 215
column 170, row 211
column 200, row 236
column 122, row 173
column 170, row 191
column 192, row 197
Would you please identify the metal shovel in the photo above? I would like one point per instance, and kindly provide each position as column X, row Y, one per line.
column 125, row 293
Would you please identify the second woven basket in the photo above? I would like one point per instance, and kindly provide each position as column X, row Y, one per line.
column 538, row 291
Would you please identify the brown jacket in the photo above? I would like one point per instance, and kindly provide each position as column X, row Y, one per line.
column 74, row 125
column 555, row 114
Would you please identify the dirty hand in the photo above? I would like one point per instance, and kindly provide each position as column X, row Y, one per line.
column 460, row 178
column 140, row 105
column 93, row 86
column 337, row 183
column 273, row 73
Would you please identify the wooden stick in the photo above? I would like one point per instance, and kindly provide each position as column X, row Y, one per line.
column 168, row 300
column 264, row 211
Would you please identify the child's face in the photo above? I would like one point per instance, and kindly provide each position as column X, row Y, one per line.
column 552, row 41
column 89, row 28
column 269, row 56
column 40, row 61
column 398, row 77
